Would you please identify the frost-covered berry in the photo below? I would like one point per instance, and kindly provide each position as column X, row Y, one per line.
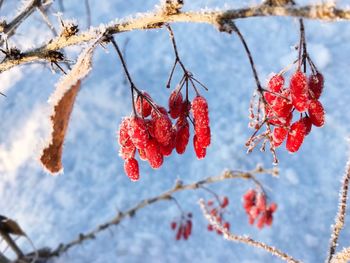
column 182, row 135
column 298, row 83
column 301, row 102
column 200, row 151
column 153, row 154
column 175, row 104
column 144, row 108
column 138, row 132
column 316, row 83
column 131, row 168
column 162, row 129
column 281, row 106
column 123, row 131
column 296, row 136
column 279, row 135
column 316, row 113
column 127, row 150
column 203, row 135
column 276, row 83
column 166, row 150
column 200, row 111
column 308, row 124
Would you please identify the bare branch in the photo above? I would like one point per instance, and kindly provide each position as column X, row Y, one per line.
column 243, row 239
column 10, row 28
column 158, row 18
column 167, row 195
column 340, row 217
column 342, row 256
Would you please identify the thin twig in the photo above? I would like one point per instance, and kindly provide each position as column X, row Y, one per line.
column 340, row 217
column 167, row 195
column 157, row 19
column 243, row 239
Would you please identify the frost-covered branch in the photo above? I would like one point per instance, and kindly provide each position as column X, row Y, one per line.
column 167, row 195
column 342, row 256
column 340, row 217
column 243, row 239
column 157, row 18
column 9, row 28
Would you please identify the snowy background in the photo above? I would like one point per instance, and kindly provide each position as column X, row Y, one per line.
column 93, row 188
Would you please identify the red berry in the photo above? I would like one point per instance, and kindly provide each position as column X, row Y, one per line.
column 179, row 232
column 227, row 226
column 281, row 106
column 162, row 129
column 272, row 207
column 316, row 83
column 175, row 104
column 276, row 83
column 186, row 107
column 154, row 156
column 166, row 150
column 200, row 151
column 296, row 136
column 298, row 83
column 279, row 135
column 261, row 202
column 200, row 111
column 210, row 228
column 145, row 108
column 308, row 124
column 157, row 113
column 188, row 227
column 123, row 131
column 279, row 121
column 173, row 225
column 301, row 102
column 128, row 150
column 261, row 221
column 138, row 132
column 203, row 136
column 225, row 202
column 131, row 168
column 182, row 135
column 316, row 113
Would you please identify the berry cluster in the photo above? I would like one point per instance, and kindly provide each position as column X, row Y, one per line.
column 183, row 227
column 151, row 132
column 256, row 208
column 301, row 96
column 276, row 105
column 218, row 212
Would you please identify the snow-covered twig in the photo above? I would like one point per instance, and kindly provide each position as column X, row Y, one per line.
column 340, row 217
column 243, row 239
column 159, row 17
column 342, row 256
column 167, row 195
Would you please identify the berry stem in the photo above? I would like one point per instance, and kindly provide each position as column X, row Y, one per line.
column 172, row 38
column 132, row 85
column 171, row 74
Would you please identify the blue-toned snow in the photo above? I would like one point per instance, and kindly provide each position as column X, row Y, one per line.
column 93, row 188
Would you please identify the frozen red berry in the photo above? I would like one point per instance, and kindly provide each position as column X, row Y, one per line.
column 138, row 132
column 308, row 124
column 175, row 104
column 316, row 113
column 142, row 105
column 123, row 131
column 224, row 202
column 279, row 135
column 200, row 151
column 301, row 102
column 131, row 168
column 203, row 135
column 281, row 106
column 127, row 150
column 153, row 154
column 182, row 135
column 296, row 136
column 298, row 83
column 162, row 129
column 200, row 111
column 316, row 83
column 276, row 83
